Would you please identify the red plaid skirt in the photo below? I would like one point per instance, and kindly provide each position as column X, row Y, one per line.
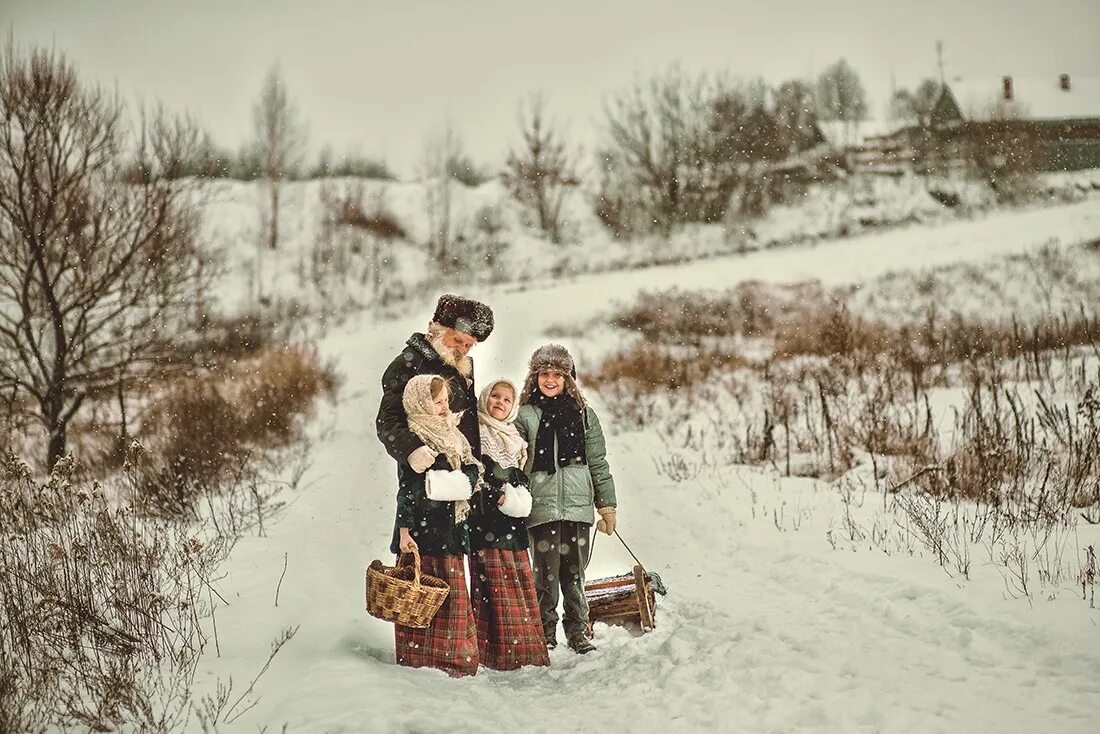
column 450, row 642
column 509, row 629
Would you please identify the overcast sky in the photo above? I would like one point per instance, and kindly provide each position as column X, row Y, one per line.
column 379, row 77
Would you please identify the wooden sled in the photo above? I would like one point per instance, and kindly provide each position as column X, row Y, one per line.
column 627, row 600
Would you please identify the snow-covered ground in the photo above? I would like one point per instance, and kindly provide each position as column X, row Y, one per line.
column 767, row 626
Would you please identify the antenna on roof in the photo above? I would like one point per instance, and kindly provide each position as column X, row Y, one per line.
column 939, row 60
column 893, row 95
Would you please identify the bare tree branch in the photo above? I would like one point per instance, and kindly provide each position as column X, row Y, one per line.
column 541, row 172
column 95, row 272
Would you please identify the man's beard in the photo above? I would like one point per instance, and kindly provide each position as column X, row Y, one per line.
column 449, row 356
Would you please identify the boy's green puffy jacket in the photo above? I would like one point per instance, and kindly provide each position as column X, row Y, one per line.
column 572, row 492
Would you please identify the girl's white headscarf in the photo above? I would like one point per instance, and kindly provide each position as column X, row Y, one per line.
column 499, row 438
column 439, row 433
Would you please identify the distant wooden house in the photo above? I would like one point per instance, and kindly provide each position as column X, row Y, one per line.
column 867, row 146
column 841, row 134
column 1060, row 115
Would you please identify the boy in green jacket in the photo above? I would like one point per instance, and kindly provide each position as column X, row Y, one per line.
column 570, row 482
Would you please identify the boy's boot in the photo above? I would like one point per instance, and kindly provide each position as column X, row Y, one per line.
column 580, row 644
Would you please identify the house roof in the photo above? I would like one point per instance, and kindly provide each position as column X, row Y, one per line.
column 1036, row 98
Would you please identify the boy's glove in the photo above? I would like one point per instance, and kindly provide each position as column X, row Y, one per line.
column 606, row 523
column 422, row 459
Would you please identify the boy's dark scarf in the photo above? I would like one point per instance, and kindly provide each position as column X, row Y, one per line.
column 561, row 419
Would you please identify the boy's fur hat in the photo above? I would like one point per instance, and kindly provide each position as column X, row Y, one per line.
column 552, row 357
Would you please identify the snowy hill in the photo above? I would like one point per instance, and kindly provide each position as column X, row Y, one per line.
column 331, row 271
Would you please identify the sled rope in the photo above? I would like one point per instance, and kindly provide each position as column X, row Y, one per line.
column 592, row 550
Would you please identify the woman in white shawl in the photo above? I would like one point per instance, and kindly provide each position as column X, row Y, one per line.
column 502, row 587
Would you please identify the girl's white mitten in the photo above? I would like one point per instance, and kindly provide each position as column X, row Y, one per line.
column 517, row 501
column 447, row 485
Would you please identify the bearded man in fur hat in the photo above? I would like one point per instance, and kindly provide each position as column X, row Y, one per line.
column 456, row 327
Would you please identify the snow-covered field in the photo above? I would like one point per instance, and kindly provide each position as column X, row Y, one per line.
column 767, row 626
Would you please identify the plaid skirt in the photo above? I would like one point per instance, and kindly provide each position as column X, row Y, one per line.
column 450, row 642
column 509, row 629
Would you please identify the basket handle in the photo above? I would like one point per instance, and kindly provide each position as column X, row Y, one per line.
column 416, row 564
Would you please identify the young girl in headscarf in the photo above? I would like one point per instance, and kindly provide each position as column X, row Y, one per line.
column 571, row 483
column 509, row 631
column 437, row 529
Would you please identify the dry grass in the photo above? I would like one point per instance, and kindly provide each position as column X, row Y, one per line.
column 379, row 223
column 829, row 329
column 229, row 338
column 102, row 611
column 650, row 368
column 750, row 309
column 105, row 588
column 279, row 390
column 106, row 611
column 838, row 385
column 206, row 430
column 806, row 321
column 998, row 472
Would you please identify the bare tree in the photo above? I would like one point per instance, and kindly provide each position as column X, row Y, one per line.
column 440, row 152
column 915, row 106
column 795, row 114
column 679, row 148
column 749, row 137
column 840, row 94
column 280, row 139
column 540, row 173
column 95, row 272
column 653, row 160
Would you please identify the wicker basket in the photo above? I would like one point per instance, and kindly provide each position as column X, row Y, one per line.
column 402, row 595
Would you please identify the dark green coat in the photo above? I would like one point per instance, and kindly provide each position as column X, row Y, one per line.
column 572, row 492
column 392, row 424
column 431, row 524
column 489, row 527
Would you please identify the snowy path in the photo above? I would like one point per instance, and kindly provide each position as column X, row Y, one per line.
column 763, row 630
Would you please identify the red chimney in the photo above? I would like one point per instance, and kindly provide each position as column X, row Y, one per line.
column 1007, row 84
column 1063, row 82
